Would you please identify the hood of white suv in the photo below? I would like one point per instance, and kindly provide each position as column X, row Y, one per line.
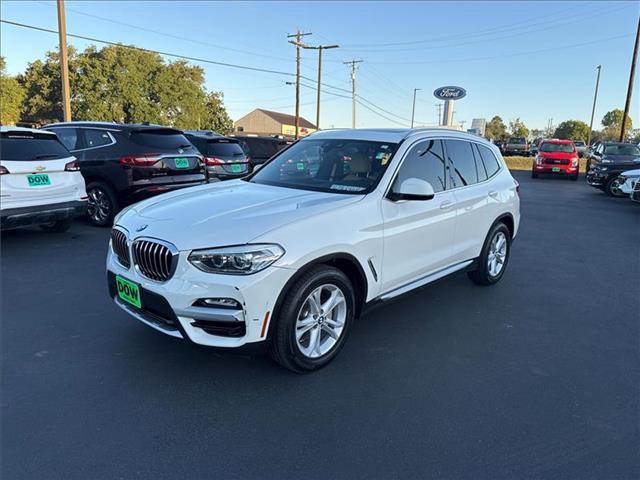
column 225, row 213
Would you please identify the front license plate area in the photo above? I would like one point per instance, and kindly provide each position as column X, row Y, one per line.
column 182, row 162
column 555, row 170
column 38, row 180
column 128, row 291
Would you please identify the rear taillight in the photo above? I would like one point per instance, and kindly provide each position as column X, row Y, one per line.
column 3, row 171
column 73, row 166
column 212, row 161
column 145, row 160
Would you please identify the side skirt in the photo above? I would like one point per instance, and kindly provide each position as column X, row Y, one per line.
column 432, row 277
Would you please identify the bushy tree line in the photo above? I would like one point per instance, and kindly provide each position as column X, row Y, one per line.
column 569, row 129
column 117, row 84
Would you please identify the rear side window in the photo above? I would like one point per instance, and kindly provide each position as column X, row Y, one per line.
column 462, row 162
column 29, row 147
column 160, row 139
column 489, row 160
column 224, row 149
column 482, row 172
column 95, row 138
column 426, row 162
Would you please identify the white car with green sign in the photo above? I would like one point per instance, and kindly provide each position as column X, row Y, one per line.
column 40, row 181
column 291, row 254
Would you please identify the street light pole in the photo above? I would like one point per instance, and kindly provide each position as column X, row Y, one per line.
column 593, row 108
column 632, row 75
column 413, row 110
column 64, row 62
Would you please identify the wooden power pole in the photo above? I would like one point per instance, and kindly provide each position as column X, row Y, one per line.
column 353, row 90
column 64, row 63
column 320, row 48
column 593, row 108
column 632, row 75
column 298, row 43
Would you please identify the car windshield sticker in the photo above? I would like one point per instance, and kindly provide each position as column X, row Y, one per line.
column 347, row 188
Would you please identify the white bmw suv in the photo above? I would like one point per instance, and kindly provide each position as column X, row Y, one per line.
column 292, row 253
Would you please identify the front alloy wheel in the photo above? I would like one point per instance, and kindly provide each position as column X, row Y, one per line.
column 613, row 188
column 321, row 321
column 312, row 322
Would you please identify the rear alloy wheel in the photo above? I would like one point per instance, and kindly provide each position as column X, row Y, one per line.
column 612, row 188
column 314, row 319
column 101, row 207
column 493, row 259
column 57, row 227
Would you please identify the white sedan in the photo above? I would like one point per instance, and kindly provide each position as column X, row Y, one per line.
column 291, row 254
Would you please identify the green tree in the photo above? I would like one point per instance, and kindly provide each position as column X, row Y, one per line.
column 215, row 116
column 517, row 128
column 121, row 84
column 612, row 123
column 496, row 129
column 572, row 130
column 11, row 96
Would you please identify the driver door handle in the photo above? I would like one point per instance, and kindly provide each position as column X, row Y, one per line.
column 493, row 194
column 446, row 205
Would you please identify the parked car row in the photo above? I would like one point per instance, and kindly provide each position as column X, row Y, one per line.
column 117, row 164
column 608, row 165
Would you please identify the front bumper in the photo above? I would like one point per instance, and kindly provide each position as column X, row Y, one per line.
column 555, row 169
column 41, row 214
column 169, row 306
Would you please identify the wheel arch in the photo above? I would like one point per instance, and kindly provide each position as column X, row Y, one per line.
column 346, row 263
column 508, row 221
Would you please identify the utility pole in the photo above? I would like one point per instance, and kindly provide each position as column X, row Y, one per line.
column 593, row 108
column 298, row 43
column 353, row 90
column 413, row 110
column 64, row 63
column 319, row 48
column 632, row 75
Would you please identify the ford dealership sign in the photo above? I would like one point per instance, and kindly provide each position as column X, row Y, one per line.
column 450, row 93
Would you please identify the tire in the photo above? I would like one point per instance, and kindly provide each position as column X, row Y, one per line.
column 57, row 227
column 533, row 174
column 301, row 355
column 103, row 204
column 574, row 177
column 612, row 188
column 482, row 275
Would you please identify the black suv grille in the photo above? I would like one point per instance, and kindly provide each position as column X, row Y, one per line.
column 119, row 245
column 154, row 260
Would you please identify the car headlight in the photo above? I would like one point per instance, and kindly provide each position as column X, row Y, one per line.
column 606, row 160
column 240, row 260
column 539, row 160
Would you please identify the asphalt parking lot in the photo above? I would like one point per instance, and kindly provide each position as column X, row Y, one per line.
column 537, row 377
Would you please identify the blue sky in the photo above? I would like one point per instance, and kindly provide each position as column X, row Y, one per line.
column 533, row 60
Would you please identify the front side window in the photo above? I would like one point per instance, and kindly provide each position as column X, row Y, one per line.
column 462, row 163
column 68, row 137
column 330, row 165
column 426, row 162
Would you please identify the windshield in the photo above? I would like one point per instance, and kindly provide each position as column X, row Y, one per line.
column 19, row 146
column 517, row 140
column 339, row 166
column 621, row 150
column 557, row 147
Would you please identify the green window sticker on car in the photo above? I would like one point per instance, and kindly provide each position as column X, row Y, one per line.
column 38, row 180
column 128, row 291
column 300, row 166
column 236, row 168
column 182, row 162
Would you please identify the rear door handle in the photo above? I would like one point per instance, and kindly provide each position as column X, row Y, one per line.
column 446, row 205
column 493, row 194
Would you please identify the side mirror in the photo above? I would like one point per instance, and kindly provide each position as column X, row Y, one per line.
column 412, row 189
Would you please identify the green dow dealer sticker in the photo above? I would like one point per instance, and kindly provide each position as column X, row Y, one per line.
column 182, row 162
column 38, row 180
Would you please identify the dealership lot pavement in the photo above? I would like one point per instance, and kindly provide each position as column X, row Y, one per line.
column 536, row 377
